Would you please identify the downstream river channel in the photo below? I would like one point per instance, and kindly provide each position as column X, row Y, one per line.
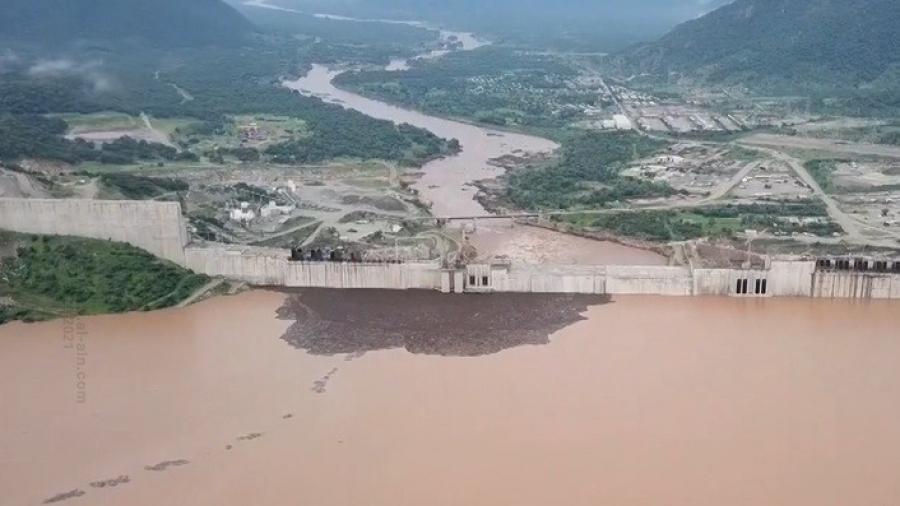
column 447, row 184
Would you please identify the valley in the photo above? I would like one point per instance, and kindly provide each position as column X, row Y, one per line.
column 553, row 135
column 391, row 252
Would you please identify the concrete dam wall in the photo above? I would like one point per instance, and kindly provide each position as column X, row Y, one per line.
column 855, row 285
column 156, row 227
column 272, row 267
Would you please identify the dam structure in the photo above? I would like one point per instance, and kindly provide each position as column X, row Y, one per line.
column 159, row 228
column 156, row 227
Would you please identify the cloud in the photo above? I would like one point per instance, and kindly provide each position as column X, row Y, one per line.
column 8, row 58
column 52, row 68
column 89, row 71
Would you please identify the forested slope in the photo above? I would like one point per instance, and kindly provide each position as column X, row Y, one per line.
column 839, row 43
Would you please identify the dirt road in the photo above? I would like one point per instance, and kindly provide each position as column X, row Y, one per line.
column 830, row 145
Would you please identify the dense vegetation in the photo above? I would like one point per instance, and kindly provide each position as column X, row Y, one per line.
column 160, row 22
column 821, row 171
column 815, row 45
column 139, row 187
column 132, row 77
column 778, row 218
column 31, row 135
column 493, row 85
column 53, row 276
column 588, row 174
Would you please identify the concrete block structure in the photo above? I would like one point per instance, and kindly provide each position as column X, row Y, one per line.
column 272, row 267
column 156, row 227
column 856, row 278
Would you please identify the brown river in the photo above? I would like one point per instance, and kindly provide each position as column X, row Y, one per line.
column 640, row 401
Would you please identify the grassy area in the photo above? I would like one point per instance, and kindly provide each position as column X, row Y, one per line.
column 43, row 277
column 115, row 121
column 821, row 171
column 660, row 226
column 588, row 175
column 742, row 154
column 494, row 85
column 101, row 121
column 888, row 133
column 132, row 187
column 170, row 126
column 249, row 130
column 718, row 221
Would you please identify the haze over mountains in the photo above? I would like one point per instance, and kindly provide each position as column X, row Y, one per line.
column 830, row 42
column 588, row 25
column 759, row 43
column 164, row 23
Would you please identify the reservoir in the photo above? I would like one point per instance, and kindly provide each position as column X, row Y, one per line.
column 345, row 398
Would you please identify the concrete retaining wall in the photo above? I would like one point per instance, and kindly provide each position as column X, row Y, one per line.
column 156, row 227
column 855, row 285
column 724, row 282
column 266, row 266
column 649, row 280
column 549, row 279
column 791, row 278
column 584, row 279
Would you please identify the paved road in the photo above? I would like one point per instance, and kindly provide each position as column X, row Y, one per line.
column 830, row 145
column 724, row 188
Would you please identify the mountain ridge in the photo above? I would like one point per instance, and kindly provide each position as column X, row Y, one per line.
column 841, row 43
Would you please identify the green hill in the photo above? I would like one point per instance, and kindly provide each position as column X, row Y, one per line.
column 830, row 43
column 163, row 23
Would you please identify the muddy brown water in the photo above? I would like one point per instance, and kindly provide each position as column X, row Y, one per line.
column 636, row 401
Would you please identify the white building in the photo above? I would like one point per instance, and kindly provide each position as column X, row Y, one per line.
column 622, row 122
column 272, row 208
column 243, row 214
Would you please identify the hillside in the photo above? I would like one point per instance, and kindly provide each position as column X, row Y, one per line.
column 836, row 43
column 164, row 23
column 43, row 277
